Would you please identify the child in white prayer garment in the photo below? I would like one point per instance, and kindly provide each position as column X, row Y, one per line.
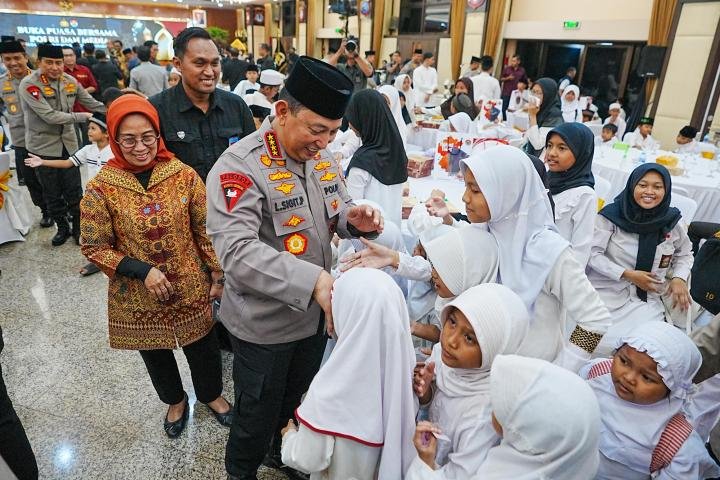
column 483, row 322
column 547, row 417
column 645, row 394
column 358, row 417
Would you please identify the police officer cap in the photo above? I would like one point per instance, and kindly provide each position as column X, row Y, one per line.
column 48, row 50
column 271, row 77
column 11, row 46
column 320, row 87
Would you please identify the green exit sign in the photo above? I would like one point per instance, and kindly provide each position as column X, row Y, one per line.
column 571, row 24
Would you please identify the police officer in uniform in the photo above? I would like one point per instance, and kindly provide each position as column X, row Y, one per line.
column 275, row 198
column 48, row 96
column 15, row 59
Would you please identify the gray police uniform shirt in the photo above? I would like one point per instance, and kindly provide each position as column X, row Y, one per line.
column 271, row 220
column 9, row 88
column 49, row 119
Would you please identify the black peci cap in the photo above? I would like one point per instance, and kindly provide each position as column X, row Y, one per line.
column 320, row 87
column 11, row 46
column 48, row 50
column 646, row 121
column 474, row 59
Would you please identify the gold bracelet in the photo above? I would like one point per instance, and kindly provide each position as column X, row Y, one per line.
column 588, row 341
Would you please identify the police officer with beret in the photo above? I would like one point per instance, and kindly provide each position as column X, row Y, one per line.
column 15, row 59
column 275, row 198
column 48, row 96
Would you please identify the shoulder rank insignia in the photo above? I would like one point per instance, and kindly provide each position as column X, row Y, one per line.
column 233, row 186
column 293, row 221
column 279, row 175
column 328, row 176
column 272, row 146
column 322, row 166
column 44, row 79
column 296, row 244
column 285, row 188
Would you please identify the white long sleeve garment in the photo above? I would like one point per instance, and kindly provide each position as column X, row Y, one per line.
column 575, row 211
column 614, row 250
column 414, row 268
column 635, row 140
column 619, row 123
column 537, row 136
column 327, row 457
column 425, row 81
column 566, row 300
column 485, row 87
column 361, row 184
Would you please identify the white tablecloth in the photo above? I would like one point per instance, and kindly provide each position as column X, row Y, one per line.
column 701, row 179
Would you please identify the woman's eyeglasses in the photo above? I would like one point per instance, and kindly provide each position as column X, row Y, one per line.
column 130, row 142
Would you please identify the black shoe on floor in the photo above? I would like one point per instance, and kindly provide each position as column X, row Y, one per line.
column 174, row 429
column 224, row 419
column 61, row 236
column 46, row 221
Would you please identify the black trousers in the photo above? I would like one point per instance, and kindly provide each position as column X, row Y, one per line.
column 32, row 182
column 203, row 357
column 269, row 383
column 506, row 101
column 15, row 448
column 62, row 188
column 701, row 230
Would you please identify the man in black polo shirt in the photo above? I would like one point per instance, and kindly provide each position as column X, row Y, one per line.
column 234, row 69
column 199, row 121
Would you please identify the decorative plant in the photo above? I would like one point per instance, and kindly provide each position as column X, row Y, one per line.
column 218, row 34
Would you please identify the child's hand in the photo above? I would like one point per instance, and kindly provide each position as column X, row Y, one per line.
column 33, row 161
column 437, row 207
column 374, row 256
column 426, row 443
column 290, row 426
column 645, row 280
column 422, row 379
column 679, row 293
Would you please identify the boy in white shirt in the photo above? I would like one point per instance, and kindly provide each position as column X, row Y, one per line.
column 615, row 111
column 607, row 136
column 249, row 85
column 642, row 138
column 95, row 156
column 519, row 98
column 686, row 142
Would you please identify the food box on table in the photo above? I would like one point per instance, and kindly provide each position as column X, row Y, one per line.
column 419, row 165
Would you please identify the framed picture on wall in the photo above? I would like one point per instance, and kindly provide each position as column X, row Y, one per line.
column 259, row 16
column 199, row 18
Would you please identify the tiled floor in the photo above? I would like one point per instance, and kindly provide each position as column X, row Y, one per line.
column 90, row 412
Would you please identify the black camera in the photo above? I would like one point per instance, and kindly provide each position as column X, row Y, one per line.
column 351, row 45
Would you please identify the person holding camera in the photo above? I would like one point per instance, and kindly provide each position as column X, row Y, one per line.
column 356, row 68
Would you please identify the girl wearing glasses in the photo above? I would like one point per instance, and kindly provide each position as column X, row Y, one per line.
column 143, row 224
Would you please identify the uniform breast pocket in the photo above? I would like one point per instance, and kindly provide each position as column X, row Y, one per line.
column 664, row 255
column 227, row 137
column 290, row 213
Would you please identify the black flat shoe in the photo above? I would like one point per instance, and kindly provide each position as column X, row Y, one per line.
column 46, row 221
column 60, row 237
column 224, row 419
column 174, row 429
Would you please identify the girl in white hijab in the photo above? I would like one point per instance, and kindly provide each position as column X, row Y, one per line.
column 393, row 99
column 405, row 86
column 483, row 322
column 461, row 123
column 358, row 417
column 503, row 189
column 645, row 393
column 547, row 417
column 571, row 110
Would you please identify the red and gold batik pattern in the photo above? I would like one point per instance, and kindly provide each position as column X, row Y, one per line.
column 165, row 227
